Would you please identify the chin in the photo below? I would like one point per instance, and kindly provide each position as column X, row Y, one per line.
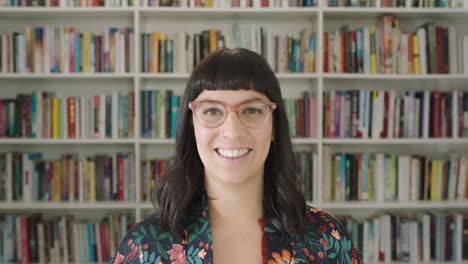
column 230, row 176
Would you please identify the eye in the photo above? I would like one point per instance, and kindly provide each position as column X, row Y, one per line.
column 212, row 111
column 252, row 110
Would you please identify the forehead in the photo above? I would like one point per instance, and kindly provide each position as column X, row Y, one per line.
column 231, row 97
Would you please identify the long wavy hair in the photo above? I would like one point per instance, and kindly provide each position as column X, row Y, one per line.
column 181, row 187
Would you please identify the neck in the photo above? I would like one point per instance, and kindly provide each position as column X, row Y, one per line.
column 235, row 202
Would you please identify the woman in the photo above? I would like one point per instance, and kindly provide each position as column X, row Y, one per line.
column 233, row 195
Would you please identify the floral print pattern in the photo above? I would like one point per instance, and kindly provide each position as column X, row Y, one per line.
column 324, row 242
column 284, row 258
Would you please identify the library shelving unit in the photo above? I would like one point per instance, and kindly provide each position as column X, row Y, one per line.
column 318, row 19
column 173, row 19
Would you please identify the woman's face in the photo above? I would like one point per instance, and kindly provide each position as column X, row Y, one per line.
column 221, row 148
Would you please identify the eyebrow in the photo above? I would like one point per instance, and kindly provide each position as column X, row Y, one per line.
column 255, row 98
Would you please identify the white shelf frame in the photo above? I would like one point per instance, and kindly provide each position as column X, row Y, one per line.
column 75, row 205
column 263, row 10
column 318, row 15
column 33, row 141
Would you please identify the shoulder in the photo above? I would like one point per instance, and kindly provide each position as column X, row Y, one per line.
column 321, row 220
column 145, row 242
column 325, row 240
column 325, row 226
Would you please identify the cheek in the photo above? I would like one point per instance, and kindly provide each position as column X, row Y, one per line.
column 203, row 138
column 263, row 139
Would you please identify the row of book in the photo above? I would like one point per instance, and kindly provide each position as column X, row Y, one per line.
column 45, row 115
column 182, row 51
column 398, row 3
column 301, row 114
column 159, row 111
column 151, row 171
column 385, row 49
column 393, row 114
column 352, row 3
column 307, row 168
column 66, row 3
column 362, row 177
column 63, row 239
column 285, row 52
column 376, row 49
column 347, row 114
column 392, row 177
column 29, row 177
column 383, row 238
column 231, row 3
column 424, row 238
column 424, row 3
column 66, row 50
column 178, row 53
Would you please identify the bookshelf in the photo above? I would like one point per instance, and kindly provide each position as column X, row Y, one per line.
column 170, row 20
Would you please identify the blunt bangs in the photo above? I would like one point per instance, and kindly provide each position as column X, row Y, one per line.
column 239, row 69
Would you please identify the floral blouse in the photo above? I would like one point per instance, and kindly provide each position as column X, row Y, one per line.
column 324, row 241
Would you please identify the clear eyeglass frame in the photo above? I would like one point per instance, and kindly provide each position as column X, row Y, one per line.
column 232, row 108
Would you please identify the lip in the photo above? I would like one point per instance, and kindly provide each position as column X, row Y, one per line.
column 231, row 148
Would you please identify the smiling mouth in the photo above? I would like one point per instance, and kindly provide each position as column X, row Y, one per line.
column 233, row 154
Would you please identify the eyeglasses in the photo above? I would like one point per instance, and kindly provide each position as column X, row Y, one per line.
column 252, row 114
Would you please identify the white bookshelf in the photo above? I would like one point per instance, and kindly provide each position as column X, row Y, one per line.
column 397, row 141
column 67, row 76
column 147, row 19
column 28, row 206
column 47, row 141
column 383, row 206
column 395, row 76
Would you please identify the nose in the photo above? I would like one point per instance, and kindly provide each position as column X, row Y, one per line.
column 232, row 126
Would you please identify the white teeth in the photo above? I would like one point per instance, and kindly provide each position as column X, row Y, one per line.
column 229, row 153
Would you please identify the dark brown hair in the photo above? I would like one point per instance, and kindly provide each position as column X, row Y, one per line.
column 182, row 185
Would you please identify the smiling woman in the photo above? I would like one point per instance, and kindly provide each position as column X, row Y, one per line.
column 233, row 194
